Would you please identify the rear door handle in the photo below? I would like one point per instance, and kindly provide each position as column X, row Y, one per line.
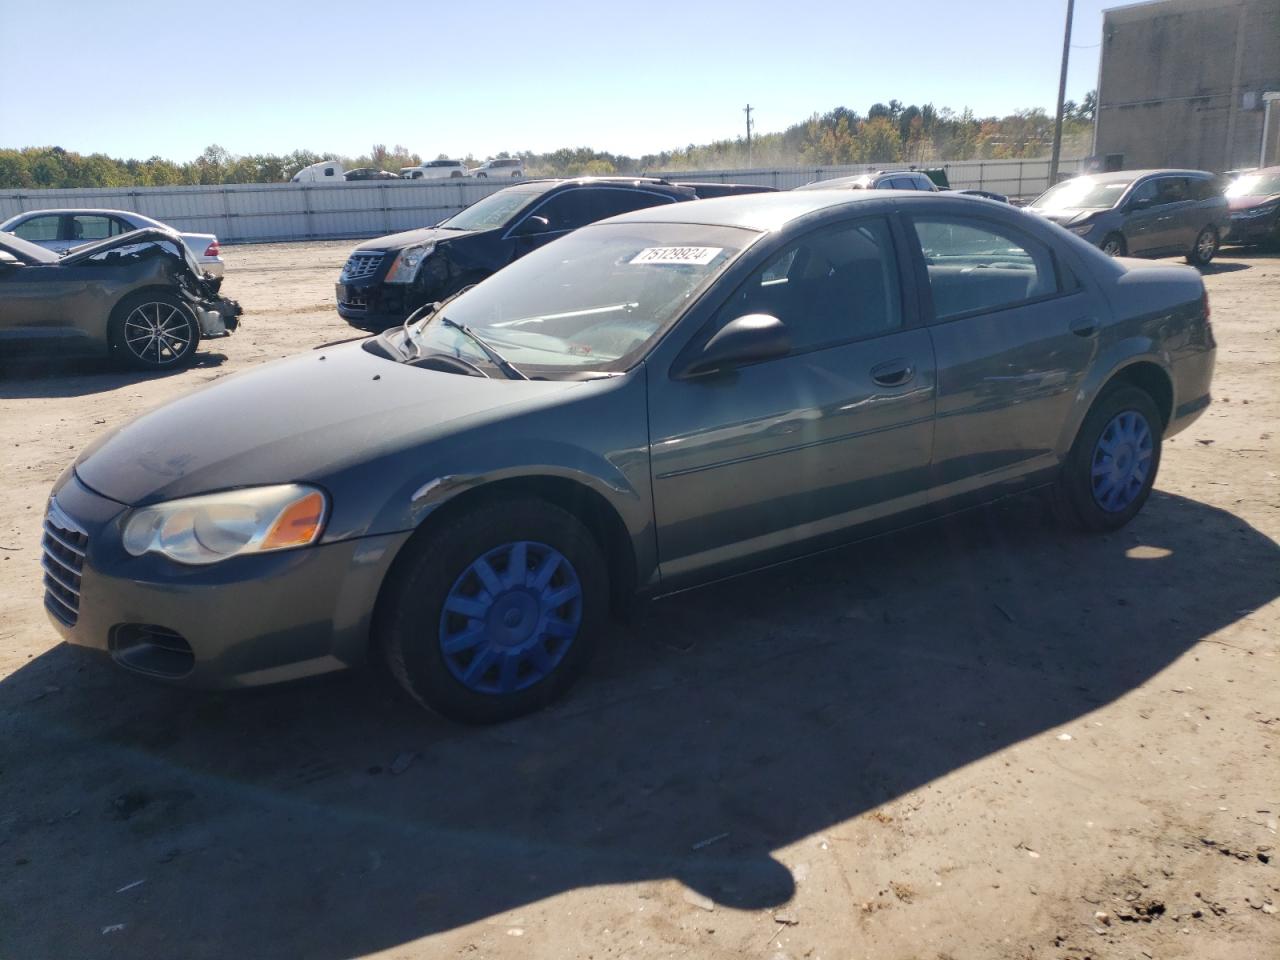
column 1084, row 326
column 893, row 373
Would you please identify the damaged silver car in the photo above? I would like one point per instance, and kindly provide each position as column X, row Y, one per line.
column 139, row 297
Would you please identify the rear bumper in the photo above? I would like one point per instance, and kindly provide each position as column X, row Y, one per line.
column 1192, row 376
column 244, row 622
column 213, row 265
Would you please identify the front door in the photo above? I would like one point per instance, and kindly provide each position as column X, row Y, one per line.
column 772, row 459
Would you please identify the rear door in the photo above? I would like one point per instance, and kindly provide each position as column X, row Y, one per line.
column 89, row 227
column 772, row 459
column 1013, row 332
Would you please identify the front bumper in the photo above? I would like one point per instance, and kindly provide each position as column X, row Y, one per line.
column 1254, row 229
column 218, row 316
column 247, row 621
column 373, row 305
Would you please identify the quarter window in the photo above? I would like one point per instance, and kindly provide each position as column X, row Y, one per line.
column 38, row 229
column 976, row 265
column 835, row 285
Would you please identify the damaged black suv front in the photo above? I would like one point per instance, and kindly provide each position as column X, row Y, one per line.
column 139, row 296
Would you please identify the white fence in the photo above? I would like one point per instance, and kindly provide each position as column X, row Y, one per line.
column 248, row 213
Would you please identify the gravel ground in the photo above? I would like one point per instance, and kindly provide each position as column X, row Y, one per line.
column 980, row 739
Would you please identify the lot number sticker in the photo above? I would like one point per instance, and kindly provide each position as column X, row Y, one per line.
column 698, row 256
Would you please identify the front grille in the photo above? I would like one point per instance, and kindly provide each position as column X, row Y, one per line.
column 361, row 264
column 62, row 558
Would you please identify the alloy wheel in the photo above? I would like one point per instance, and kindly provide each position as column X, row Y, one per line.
column 157, row 333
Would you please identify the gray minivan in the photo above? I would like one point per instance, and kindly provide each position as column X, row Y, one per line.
column 1142, row 213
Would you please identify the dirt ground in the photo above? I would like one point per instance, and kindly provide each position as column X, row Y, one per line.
column 979, row 739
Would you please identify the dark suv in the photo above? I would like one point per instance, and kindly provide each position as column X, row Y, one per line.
column 1142, row 213
column 386, row 279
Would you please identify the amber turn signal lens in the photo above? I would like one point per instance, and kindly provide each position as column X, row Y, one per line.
column 298, row 525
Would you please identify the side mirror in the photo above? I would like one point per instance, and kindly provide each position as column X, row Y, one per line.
column 751, row 339
column 532, row 226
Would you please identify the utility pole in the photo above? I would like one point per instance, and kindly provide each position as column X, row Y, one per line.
column 747, row 110
column 1062, row 94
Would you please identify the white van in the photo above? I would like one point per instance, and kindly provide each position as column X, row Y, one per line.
column 436, row 170
column 327, row 171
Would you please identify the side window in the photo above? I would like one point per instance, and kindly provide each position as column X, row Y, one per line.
column 85, row 228
column 924, row 183
column 1147, row 190
column 328, row 171
column 976, row 265
column 118, row 227
column 1172, row 190
column 39, row 229
column 569, row 210
column 834, row 285
column 610, row 203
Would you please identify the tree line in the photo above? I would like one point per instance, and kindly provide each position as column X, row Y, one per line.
column 886, row 133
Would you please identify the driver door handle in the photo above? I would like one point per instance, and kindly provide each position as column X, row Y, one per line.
column 893, row 373
column 1084, row 326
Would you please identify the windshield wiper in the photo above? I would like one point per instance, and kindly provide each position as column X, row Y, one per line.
column 499, row 361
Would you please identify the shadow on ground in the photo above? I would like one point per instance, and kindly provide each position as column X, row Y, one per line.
column 27, row 373
column 765, row 709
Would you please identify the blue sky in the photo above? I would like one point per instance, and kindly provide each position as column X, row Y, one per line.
column 136, row 78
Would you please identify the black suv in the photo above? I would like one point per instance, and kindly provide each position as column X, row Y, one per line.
column 386, row 279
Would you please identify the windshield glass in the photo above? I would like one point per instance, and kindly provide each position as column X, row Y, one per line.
column 1255, row 184
column 1082, row 193
column 594, row 300
column 497, row 209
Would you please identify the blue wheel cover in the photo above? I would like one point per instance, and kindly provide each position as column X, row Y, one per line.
column 1121, row 462
column 511, row 617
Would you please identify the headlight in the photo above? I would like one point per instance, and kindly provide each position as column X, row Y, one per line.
column 404, row 268
column 1082, row 229
column 207, row 529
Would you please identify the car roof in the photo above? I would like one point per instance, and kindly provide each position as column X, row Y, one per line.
column 74, row 211
column 772, row 211
column 1123, row 176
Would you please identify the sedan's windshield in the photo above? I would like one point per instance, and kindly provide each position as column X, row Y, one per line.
column 497, row 209
column 594, row 300
column 1262, row 184
column 1083, row 193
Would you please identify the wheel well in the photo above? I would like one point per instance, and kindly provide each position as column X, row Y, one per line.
column 595, row 512
column 1154, row 382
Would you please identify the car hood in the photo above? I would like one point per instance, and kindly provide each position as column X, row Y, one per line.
column 1066, row 217
column 298, row 419
column 1248, row 202
column 409, row 238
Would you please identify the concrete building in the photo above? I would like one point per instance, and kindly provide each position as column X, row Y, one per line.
column 1181, row 83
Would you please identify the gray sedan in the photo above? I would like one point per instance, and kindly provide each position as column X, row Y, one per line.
column 1142, row 213
column 665, row 398
column 61, row 230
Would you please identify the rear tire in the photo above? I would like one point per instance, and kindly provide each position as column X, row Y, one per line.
column 1204, row 249
column 1112, row 465
column 497, row 613
column 1113, row 245
column 154, row 330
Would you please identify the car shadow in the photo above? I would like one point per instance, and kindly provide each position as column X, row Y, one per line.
column 1218, row 266
column 331, row 819
column 32, row 375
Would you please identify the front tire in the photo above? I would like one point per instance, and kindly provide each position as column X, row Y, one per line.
column 154, row 331
column 1204, row 249
column 1113, row 245
column 1112, row 466
column 482, row 176
column 497, row 613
